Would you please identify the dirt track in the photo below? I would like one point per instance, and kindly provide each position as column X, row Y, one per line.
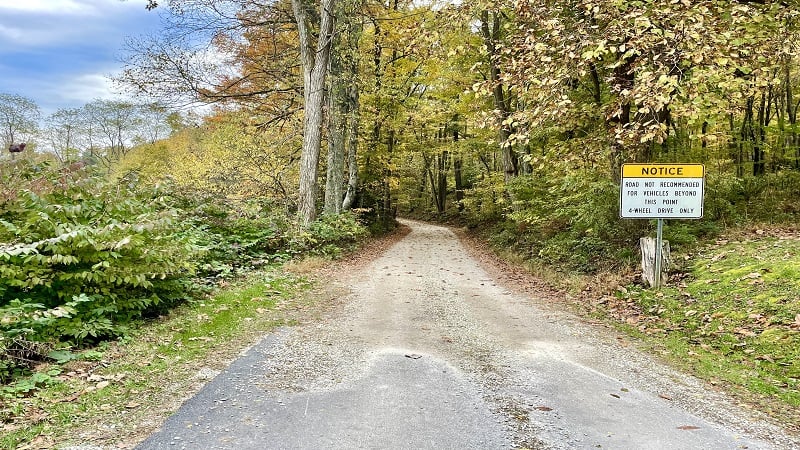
column 426, row 350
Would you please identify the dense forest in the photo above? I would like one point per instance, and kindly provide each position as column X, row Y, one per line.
column 512, row 112
column 321, row 119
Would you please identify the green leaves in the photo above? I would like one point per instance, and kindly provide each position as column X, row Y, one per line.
column 81, row 259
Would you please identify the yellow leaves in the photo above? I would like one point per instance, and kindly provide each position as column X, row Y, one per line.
column 642, row 22
column 457, row 51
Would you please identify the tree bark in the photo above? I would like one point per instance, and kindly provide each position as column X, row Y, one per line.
column 353, row 117
column 457, row 179
column 792, row 141
column 491, row 35
column 352, row 149
column 441, row 179
column 337, row 113
column 314, row 59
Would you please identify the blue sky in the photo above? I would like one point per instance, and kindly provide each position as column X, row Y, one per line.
column 59, row 53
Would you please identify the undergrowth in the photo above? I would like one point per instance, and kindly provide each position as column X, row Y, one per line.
column 118, row 384
column 729, row 314
column 85, row 258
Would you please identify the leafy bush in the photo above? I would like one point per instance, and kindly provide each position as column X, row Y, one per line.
column 81, row 257
column 237, row 235
column 570, row 220
column 769, row 198
column 327, row 235
column 486, row 201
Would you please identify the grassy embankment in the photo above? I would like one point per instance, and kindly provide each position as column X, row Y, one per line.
column 730, row 314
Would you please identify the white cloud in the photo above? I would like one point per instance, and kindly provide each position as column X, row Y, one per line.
column 59, row 52
column 49, row 22
column 11, row 33
column 49, row 6
column 27, row 36
column 72, row 90
column 86, row 87
column 68, row 7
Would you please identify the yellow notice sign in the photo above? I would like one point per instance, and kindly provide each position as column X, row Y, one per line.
column 663, row 171
column 662, row 191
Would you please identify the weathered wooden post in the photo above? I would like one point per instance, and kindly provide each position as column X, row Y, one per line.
column 660, row 191
column 655, row 258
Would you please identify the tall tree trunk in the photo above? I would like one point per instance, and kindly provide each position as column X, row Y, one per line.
column 343, row 110
column 792, row 141
column 490, row 30
column 457, row 165
column 337, row 116
column 759, row 162
column 352, row 63
column 314, row 57
column 352, row 148
column 748, row 134
column 623, row 79
column 441, row 202
column 735, row 147
column 334, row 179
column 388, row 210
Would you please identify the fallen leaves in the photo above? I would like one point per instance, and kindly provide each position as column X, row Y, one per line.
column 39, row 442
column 746, row 332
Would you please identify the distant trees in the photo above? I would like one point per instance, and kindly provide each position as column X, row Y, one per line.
column 19, row 119
column 63, row 133
column 101, row 131
column 272, row 59
column 110, row 128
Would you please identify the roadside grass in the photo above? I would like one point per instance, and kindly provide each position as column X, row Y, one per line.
column 118, row 393
column 731, row 316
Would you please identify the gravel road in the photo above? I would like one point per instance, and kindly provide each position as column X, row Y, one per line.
column 427, row 351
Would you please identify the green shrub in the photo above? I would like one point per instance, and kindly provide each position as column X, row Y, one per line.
column 81, row 257
column 327, row 235
column 237, row 235
column 486, row 201
column 571, row 220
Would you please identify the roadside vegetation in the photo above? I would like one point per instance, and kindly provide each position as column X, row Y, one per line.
column 729, row 314
column 115, row 286
column 118, row 391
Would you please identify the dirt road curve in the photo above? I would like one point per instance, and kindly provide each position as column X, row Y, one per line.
column 427, row 351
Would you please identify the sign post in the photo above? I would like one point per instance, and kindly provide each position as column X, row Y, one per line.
column 661, row 191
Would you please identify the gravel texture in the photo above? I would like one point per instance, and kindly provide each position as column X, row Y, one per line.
column 426, row 350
